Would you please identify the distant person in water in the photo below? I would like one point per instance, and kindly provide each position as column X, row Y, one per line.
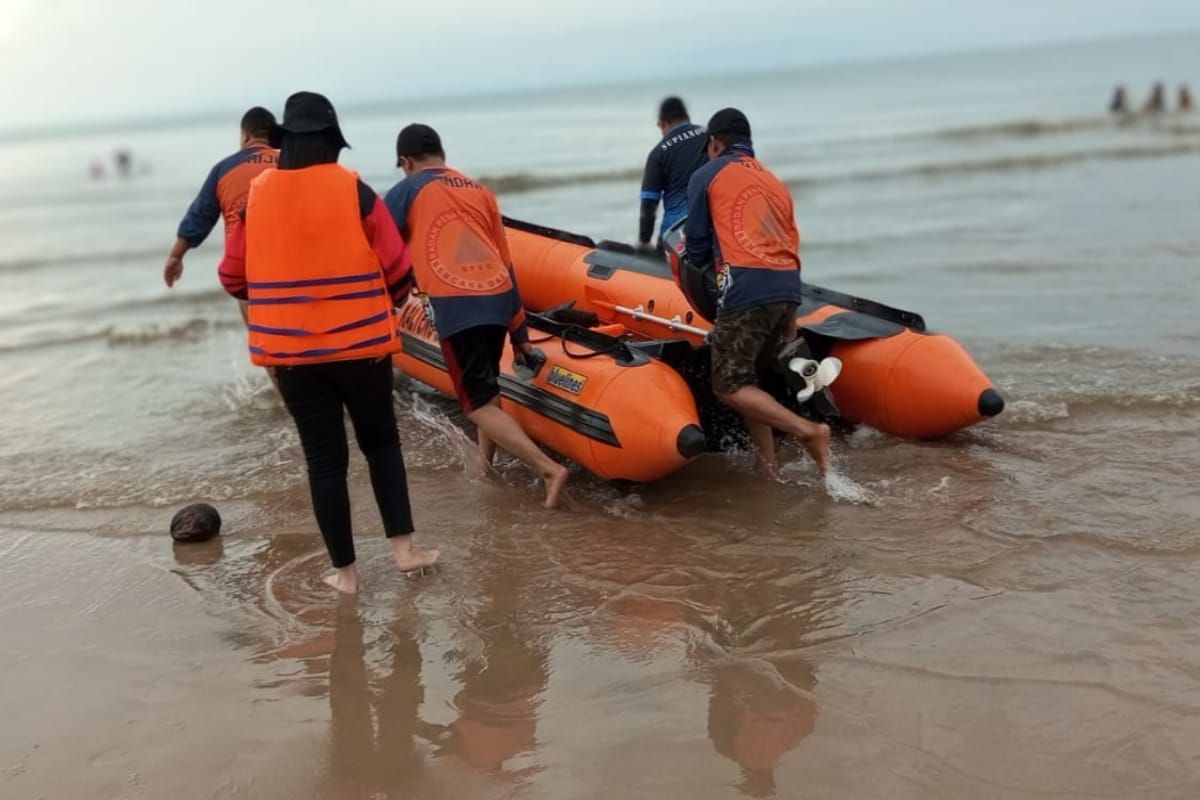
column 1158, row 99
column 123, row 161
column 1186, row 103
column 669, row 167
column 741, row 224
column 223, row 195
column 464, row 273
column 322, row 265
column 1120, row 101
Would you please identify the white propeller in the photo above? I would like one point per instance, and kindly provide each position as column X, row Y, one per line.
column 817, row 375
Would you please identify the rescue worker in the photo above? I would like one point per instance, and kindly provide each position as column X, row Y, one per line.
column 669, row 167
column 1158, row 99
column 740, row 221
column 321, row 266
column 223, row 195
column 1120, row 102
column 464, row 273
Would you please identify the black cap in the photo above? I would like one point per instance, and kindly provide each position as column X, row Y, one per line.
column 418, row 140
column 672, row 108
column 307, row 112
column 729, row 122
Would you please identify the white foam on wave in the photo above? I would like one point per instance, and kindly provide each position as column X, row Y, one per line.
column 845, row 489
column 630, row 506
column 864, row 436
column 1027, row 411
column 251, row 389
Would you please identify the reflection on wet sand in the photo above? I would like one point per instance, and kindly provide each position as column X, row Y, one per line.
column 373, row 735
column 758, row 712
column 503, row 673
column 204, row 554
column 379, row 744
column 740, row 637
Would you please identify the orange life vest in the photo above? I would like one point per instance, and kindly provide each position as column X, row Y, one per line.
column 753, row 217
column 316, row 288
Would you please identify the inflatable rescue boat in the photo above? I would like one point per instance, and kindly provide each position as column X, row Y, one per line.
column 623, row 387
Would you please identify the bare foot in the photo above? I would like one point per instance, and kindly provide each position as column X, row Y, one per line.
column 817, row 445
column 410, row 558
column 478, row 467
column 344, row 579
column 556, row 481
column 768, row 469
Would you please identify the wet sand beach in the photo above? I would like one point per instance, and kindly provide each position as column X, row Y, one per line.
column 928, row 643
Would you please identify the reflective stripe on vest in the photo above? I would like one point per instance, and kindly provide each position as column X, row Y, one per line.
column 315, row 287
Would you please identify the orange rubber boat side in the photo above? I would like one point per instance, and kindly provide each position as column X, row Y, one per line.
column 631, row 419
column 901, row 380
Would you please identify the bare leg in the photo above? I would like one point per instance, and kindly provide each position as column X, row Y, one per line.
column 764, row 442
column 409, row 557
column 503, row 430
column 344, row 579
column 487, row 448
column 757, row 406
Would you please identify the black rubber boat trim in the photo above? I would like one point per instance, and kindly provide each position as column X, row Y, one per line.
column 909, row 319
column 549, row 233
column 591, row 424
column 604, row 261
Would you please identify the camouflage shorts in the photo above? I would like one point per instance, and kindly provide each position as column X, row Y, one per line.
column 745, row 342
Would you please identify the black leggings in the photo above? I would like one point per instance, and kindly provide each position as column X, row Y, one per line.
column 315, row 394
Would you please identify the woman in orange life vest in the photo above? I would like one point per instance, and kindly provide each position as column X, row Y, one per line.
column 322, row 265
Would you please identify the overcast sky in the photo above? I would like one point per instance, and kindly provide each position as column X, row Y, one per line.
column 71, row 60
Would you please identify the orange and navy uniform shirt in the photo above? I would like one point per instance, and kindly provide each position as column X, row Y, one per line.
column 224, row 192
column 741, row 221
column 460, row 254
column 378, row 227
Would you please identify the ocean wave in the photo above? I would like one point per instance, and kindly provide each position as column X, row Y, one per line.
column 31, row 263
column 519, row 182
column 1029, row 128
column 1049, row 382
column 1033, row 128
column 189, row 330
column 999, row 267
column 1025, row 163
column 174, row 299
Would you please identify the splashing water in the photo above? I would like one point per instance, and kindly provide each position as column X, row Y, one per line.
column 844, row 489
column 453, row 440
column 941, row 487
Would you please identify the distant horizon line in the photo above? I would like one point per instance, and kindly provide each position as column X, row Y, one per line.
column 87, row 126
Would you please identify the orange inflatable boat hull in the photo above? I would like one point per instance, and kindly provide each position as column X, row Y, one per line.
column 587, row 401
column 896, row 377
